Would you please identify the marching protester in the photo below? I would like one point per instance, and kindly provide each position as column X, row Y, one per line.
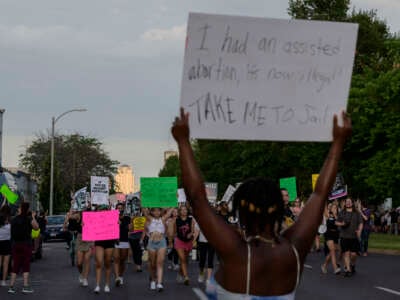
column 257, row 260
column 136, row 237
column 206, row 252
column 350, row 223
column 122, row 246
column 185, row 235
column 83, row 249
column 103, row 255
column 172, row 254
column 366, row 229
column 5, row 242
column 21, row 231
column 331, row 236
column 157, row 245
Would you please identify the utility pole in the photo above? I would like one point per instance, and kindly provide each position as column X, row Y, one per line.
column 1, row 138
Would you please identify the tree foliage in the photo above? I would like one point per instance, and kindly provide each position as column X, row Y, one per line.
column 76, row 158
column 329, row 10
column 171, row 169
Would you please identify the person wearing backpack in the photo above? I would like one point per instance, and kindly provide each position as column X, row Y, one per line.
column 21, row 230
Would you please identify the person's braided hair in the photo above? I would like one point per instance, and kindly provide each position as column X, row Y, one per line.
column 258, row 202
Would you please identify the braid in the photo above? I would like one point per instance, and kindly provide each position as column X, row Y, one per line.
column 258, row 202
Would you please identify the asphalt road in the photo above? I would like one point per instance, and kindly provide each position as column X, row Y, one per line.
column 53, row 277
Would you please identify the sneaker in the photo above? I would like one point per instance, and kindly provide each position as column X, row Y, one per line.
column 27, row 290
column 97, row 289
column 207, row 282
column 85, row 282
column 153, row 285
column 118, row 281
column 11, row 290
column 186, row 281
column 338, row 271
column 3, row 283
column 347, row 274
column 179, row 278
column 122, row 280
column 176, row 267
column 139, row 269
column 160, row 287
column 106, row 289
column 80, row 280
column 323, row 269
column 200, row 279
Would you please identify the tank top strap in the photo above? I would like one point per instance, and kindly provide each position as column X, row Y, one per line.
column 296, row 253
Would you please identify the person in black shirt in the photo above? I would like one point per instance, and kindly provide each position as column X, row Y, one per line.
column 21, row 237
column 122, row 247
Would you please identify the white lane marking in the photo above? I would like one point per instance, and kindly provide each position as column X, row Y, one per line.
column 200, row 294
column 307, row 266
column 388, row 290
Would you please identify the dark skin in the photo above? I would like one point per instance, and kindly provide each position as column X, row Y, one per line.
column 273, row 265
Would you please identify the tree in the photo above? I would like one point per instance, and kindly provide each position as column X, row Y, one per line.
column 77, row 157
column 373, row 157
column 329, row 10
column 171, row 169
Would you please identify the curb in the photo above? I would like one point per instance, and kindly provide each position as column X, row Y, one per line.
column 384, row 251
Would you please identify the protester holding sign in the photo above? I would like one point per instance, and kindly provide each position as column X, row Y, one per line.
column 157, row 246
column 103, row 253
column 136, row 236
column 82, row 248
column 258, row 260
column 122, row 246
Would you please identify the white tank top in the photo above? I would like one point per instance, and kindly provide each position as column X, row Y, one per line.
column 156, row 225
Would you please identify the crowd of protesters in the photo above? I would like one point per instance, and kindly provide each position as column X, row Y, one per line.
column 174, row 234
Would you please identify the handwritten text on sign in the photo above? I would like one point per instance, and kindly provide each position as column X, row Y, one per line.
column 100, row 225
column 265, row 79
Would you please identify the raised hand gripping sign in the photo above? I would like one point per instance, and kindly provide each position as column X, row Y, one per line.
column 250, row 78
column 100, row 225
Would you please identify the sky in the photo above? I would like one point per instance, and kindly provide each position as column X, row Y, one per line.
column 119, row 59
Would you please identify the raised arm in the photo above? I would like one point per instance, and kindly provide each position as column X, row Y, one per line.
column 303, row 232
column 218, row 233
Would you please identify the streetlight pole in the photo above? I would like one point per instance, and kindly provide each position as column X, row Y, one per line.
column 1, row 137
column 53, row 123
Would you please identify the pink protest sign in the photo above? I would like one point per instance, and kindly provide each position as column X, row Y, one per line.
column 100, row 225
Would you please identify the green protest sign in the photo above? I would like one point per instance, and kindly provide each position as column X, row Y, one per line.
column 159, row 191
column 289, row 184
column 8, row 194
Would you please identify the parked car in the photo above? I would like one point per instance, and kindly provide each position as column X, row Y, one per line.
column 54, row 228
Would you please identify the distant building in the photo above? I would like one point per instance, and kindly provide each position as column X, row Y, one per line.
column 124, row 180
column 169, row 153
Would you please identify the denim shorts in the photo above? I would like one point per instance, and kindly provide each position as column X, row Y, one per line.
column 156, row 245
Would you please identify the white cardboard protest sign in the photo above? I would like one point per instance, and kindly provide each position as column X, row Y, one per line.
column 248, row 78
column 99, row 190
column 181, row 196
column 228, row 193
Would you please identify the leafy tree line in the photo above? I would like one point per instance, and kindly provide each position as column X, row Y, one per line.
column 76, row 158
column 371, row 161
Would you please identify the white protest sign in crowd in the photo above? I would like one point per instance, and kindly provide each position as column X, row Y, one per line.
column 248, row 78
column 99, row 190
column 228, row 193
column 181, row 196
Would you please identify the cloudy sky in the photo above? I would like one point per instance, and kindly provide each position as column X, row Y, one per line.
column 119, row 59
